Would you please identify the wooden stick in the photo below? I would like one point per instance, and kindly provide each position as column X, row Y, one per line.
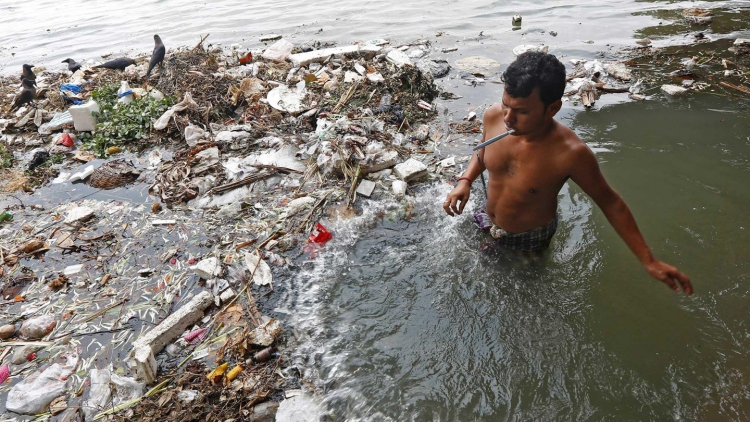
column 243, row 244
column 105, row 310
column 200, row 44
column 247, row 180
column 740, row 88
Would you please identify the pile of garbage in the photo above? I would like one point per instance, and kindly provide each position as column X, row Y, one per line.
column 148, row 310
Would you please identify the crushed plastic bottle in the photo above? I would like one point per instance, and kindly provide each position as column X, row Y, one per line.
column 125, row 93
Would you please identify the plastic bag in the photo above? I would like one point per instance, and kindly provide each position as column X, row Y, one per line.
column 193, row 134
column 99, row 395
column 38, row 327
column 279, row 51
column 103, row 384
column 34, row 394
column 74, row 88
column 186, row 103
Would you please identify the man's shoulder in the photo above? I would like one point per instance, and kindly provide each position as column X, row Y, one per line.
column 493, row 112
column 570, row 142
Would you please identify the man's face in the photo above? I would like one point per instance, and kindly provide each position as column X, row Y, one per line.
column 527, row 114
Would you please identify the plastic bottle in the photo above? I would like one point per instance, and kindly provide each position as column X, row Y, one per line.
column 125, row 93
column 265, row 355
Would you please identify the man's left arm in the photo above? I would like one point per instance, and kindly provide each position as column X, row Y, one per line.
column 588, row 176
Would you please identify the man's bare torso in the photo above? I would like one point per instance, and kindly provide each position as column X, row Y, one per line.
column 526, row 176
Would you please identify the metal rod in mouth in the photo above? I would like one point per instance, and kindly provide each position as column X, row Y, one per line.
column 496, row 138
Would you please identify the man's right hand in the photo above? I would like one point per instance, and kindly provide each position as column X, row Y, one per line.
column 457, row 199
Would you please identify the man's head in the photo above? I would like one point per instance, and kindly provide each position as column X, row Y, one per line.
column 534, row 86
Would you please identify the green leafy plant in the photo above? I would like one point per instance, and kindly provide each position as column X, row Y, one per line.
column 121, row 124
column 6, row 159
column 56, row 158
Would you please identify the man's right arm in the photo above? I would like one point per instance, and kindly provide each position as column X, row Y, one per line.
column 459, row 196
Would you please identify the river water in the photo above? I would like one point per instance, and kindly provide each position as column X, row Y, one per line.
column 402, row 317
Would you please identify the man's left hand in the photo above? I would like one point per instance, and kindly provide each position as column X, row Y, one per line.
column 670, row 276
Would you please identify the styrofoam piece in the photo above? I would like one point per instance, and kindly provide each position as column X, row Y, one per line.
column 166, row 332
column 83, row 119
column 303, row 59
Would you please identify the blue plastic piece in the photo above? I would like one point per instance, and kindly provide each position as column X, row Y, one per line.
column 71, row 87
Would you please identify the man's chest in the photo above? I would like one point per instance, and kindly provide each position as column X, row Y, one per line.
column 531, row 170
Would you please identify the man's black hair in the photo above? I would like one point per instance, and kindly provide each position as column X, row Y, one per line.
column 535, row 69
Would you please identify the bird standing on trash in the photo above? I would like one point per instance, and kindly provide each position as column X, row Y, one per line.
column 27, row 95
column 73, row 65
column 158, row 55
column 119, row 64
column 28, row 73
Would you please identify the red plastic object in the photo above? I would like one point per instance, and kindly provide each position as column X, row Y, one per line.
column 320, row 235
column 66, row 140
column 246, row 59
column 31, row 356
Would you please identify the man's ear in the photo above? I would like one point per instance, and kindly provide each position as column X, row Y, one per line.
column 553, row 108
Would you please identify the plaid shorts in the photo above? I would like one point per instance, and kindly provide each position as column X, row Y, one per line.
column 534, row 240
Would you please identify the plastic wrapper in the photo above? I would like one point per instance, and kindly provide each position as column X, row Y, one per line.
column 34, row 394
column 279, row 51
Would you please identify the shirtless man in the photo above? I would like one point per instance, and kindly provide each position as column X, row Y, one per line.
column 528, row 168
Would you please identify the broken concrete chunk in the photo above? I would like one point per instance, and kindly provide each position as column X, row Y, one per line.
column 619, row 71
column 422, row 132
column 79, row 214
column 741, row 46
column 265, row 334
column 411, row 170
column 674, row 90
column 365, row 187
column 379, row 161
column 207, row 268
column 399, row 188
column 167, row 331
column 477, row 64
column 265, row 412
column 299, row 407
column 398, row 58
column 227, row 295
column 438, row 68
